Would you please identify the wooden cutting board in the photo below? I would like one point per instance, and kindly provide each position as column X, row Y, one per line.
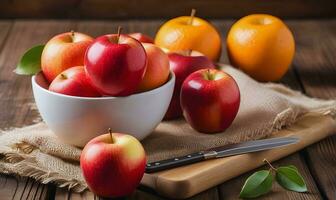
column 186, row 181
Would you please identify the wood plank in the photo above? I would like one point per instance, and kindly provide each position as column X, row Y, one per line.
column 29, row 189
column 16, row 101
column 98, row 27
column 5, row 26
column 144, row 195
column 37, row 8
column 21, row 188
column 163, row 9
column 8, row 186
column 63, row 194
column 206, row 8
column 211, row 193
column 315, row 64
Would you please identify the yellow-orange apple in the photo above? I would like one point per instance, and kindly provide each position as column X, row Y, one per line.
column 74, row 82
column 210, row 100
column 62, row 52
column 157, row 71
column 190, row 33
column 113, row 164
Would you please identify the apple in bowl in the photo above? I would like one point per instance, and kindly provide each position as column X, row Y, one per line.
column 62, row 52
column 74, row 82
column 157, row 70
column 116, row 64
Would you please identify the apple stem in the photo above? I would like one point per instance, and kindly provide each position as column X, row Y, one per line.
column 119, row 32
column 63, row 76
column 192, row 15
column 72, row 33
column 110, row 131
column 189, row 52
column 209, row 76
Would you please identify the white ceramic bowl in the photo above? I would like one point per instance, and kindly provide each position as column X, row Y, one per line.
column 76, row 120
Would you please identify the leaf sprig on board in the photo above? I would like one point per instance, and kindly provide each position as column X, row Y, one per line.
column 261, row 181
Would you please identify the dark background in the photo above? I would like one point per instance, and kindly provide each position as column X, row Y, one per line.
column 150, row 9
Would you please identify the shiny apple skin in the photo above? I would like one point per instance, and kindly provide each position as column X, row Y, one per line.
column 62, row 52
column 182, row 66
column 142, row 37
column 113, row 169
column 157, row 72
column 210, row 106
column 116, row 68
column 74, row 82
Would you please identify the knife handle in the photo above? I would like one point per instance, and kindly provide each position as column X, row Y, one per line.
column 174, row 162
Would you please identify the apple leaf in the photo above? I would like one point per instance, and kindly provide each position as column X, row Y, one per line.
column 30, row 62
column 293, row 167
column 290, row 179
column 257, row 184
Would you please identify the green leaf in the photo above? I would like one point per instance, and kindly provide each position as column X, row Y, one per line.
column 290, row 179
column 292, row 167
column 257, row 184
column 30, row 62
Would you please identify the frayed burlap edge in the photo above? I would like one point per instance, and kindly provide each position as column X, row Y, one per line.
column 25, row 166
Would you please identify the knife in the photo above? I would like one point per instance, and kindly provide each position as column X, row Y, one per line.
column 219, row 152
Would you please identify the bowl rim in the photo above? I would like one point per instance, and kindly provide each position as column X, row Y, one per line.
column 170, row 81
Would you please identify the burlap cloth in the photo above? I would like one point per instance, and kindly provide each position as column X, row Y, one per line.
column 35, row 152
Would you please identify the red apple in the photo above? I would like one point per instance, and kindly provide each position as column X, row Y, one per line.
column 157, row 71
column 182, row 64
column 113, row 164
column 210, row 100
column 62, row 52
column 74, row 82
column 116, row 64
column 141, row 37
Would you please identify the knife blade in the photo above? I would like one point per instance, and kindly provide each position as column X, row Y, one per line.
column 219, row 152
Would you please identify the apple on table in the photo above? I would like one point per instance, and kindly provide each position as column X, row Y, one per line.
column 183, row 63
column 210, row 100
column 113, row 164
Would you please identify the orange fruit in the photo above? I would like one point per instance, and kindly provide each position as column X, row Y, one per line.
column 190, row 33
column 262, row 46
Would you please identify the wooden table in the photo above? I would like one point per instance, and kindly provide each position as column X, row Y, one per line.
column 313, row 72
